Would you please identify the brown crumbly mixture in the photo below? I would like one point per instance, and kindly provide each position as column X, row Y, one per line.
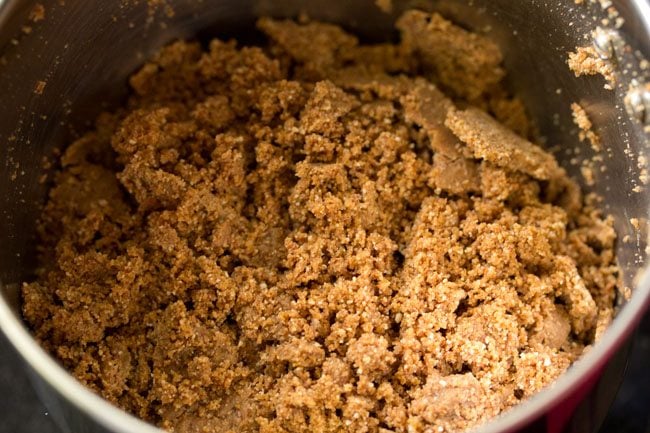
column 308, row 237
column 586, row 61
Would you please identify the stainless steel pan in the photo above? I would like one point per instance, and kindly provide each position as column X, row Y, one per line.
column 59, row 72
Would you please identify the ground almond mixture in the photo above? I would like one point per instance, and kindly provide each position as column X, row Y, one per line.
column 319, row 236
column 586, row 61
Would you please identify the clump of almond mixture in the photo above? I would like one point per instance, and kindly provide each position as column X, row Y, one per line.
column 319, row 236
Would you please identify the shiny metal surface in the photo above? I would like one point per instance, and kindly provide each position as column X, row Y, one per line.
column 83, row 50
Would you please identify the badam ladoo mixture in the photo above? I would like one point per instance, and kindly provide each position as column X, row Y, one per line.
column 319, row 235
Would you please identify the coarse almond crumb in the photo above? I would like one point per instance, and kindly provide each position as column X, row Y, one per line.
column 39, row 87
column 586, row 61
column 319, row 235
column 37, row 13
column 385, row 6
column 581, row 120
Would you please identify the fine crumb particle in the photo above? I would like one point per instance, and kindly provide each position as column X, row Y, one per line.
column 385, row 6
column 37, row 13
column 582, row 121
column 586, row 61
column 39, row 87
column 626, row 292
column 153, row 7
column 642, row 164
column 635, row 223
column 311, row 236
